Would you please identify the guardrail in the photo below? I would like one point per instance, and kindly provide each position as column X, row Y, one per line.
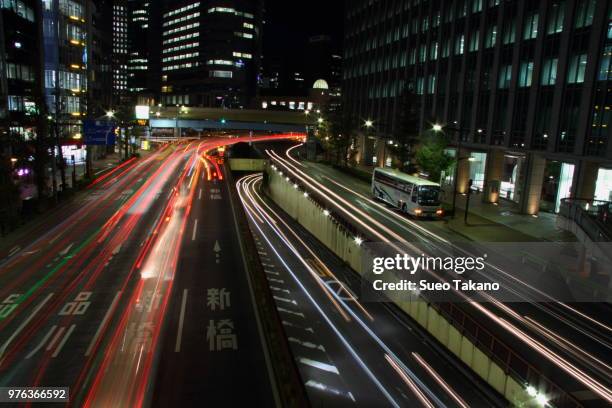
column 594, row 217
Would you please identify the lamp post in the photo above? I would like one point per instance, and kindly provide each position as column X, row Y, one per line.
column 439, row 128
column 369, row 125
column 179, row 110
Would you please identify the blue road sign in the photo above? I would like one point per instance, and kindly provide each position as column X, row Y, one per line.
column 99, row 132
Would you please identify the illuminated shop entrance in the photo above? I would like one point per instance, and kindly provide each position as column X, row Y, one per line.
column 478, row 163
column 603, row 186
column 557, row 185
column 512, row 174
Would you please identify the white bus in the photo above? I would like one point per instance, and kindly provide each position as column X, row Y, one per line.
column 411, row 195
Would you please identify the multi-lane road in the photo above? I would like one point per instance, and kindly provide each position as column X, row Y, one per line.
column 137, row 293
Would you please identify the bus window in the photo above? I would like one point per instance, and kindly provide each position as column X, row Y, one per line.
column 429, row 195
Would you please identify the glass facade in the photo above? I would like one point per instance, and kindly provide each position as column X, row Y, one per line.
column 524, row 72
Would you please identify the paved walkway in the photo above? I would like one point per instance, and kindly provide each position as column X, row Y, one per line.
column 504, row 222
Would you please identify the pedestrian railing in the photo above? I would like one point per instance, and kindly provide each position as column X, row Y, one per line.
column 594, row 217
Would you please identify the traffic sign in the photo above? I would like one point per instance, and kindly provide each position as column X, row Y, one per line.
column 98, row 132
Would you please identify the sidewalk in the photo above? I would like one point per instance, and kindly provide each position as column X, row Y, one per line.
column 503, row 222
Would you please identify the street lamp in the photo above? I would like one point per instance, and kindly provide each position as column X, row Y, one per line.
column 368, row 123
column 438, row 128
column 110, row 114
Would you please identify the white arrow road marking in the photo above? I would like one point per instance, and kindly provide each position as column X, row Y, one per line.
column 179, row 336
column 23, row 325
column 217, row 247
column 103, row 323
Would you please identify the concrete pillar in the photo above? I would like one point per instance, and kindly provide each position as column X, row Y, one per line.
column 494, row 172
column 585, row 177
column 365, row 147
column 532, row 191
column 463, row 173
column 382, row 152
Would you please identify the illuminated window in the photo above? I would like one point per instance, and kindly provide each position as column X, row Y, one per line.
column 577, row 68
column 221, row 74
column 549, row 71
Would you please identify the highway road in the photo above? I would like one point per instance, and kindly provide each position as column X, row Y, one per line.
column 570, row 343
column 347, row 352
column 116, row 289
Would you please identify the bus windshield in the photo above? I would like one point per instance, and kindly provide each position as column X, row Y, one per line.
column 429, row 195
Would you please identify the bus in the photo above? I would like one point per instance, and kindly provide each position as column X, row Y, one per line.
column 409, row 194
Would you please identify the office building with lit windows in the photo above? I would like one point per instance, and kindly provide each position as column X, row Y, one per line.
column 120, row 47
column 20, row 73
column 521, row 87
column 210, row 53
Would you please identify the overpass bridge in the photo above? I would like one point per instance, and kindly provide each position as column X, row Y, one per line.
column 174, row 122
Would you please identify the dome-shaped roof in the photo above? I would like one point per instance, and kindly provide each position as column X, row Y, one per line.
column 320, row 84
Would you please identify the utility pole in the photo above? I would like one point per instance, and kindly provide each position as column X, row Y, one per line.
column 467, row 200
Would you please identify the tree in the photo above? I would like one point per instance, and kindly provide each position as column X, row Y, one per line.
column 335, row 135
column 431, row 155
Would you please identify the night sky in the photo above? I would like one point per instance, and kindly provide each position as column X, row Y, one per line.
column 289, row 23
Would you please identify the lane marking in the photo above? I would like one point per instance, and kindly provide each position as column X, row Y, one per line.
column 55, row 338
column 280, row 299
column 103, row 323
column 320, row 365
column 200, row 195
column 61, row 345
column 280, row 289
column 14, row 250
column 271, row 272
column 306, row 344
column 65, row 250
column 289, row 324
column 179, row 336
column 23, row 325
column 195, row 230
column 280, row 309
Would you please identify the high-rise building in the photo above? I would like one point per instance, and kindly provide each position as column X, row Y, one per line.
column 210, row 53
column 120, row 48
column 523, row 86
column 20, row 72
column 139, row 32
